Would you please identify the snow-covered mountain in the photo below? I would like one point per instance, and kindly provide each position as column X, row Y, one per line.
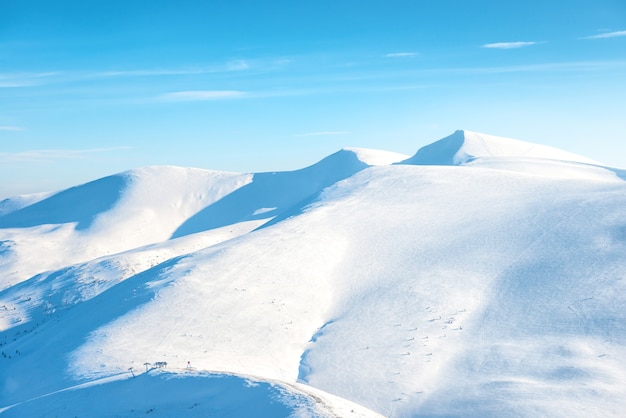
column 465, row 146
column 483, row 276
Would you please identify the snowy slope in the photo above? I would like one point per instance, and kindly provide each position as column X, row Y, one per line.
column 187, row 393
column 18, row 202
column 455, row 284
column 106, row 216
column 283, row 194
column 150, row 205
column 464, row 146
column 472, row 149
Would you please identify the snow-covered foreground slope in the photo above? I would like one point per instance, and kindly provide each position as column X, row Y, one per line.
column 186, row 393
column 484, row 286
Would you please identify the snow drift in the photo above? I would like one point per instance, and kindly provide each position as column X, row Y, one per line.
column 483, row 276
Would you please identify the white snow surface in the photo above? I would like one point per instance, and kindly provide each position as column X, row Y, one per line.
column 18, row 202
column 476, row 278
column 377, row 157
column 464, row 146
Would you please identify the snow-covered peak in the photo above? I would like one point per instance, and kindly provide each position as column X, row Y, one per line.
column 374, row 157
column 465, row 146
column 274, row 195
column 486, row 288
column 14, row 203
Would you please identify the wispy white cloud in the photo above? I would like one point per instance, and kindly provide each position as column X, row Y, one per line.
column 9, row 80
column 324, row 133
column 549, row 67
column 146, row 73
column 508, row 45
column 572, row 66
column 50, row 155
column 10, row 128
column 231, row 66
column 201, row 95
column 607, row 35
column 401, row 54
column 12, row 80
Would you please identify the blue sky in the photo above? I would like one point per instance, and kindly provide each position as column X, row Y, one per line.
column 91, row 88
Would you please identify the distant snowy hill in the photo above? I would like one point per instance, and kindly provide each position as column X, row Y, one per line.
column 464, row 146
column 483, row 276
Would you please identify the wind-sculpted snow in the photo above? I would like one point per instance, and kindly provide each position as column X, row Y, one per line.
column 18, row 202
column 79, row 205
column 488, row 286
column 548, row 168
column 269, row 195
column 465, row 146
column 112, row 215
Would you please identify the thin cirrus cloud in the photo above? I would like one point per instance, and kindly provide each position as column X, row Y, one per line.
column 401, row 54
column 11, row 128
column 554, row 67
column 12, row 80
column 607, row 35
column 238, row 65
column 201, row 95
column 51, row 155
column 508, row 45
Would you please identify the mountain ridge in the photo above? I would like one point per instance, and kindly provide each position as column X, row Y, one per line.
column 464, row 146
column 412, row 290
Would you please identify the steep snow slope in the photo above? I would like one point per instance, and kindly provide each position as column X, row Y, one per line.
column 283, row 194
column 48, row 293
column 106, row 216
column 31, row 305
column 414, row 290
column 153, row 204
column 492, row 294
column 400, row 286
column 481, row 150
column 464, row 146
column 376, row 157
column 18, row 202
